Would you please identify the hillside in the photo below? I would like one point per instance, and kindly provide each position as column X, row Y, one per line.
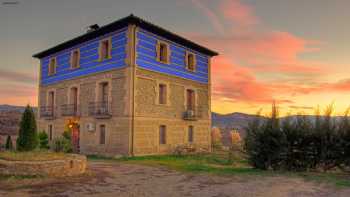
column 10, row 117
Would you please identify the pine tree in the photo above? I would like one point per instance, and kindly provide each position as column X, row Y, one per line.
column 8, row 145
column 27, row 138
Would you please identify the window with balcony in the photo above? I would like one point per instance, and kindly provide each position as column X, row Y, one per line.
column 101, row 108
column 190, row 61
column 190, row 99
column 162, row 94
column 162, row 134
column 102, row 134
column 75, row 59
column 105, row 49
column 52, row 66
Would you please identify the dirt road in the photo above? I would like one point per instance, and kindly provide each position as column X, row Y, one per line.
column 118, row 179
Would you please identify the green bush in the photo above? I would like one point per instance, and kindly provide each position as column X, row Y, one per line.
column 9, row 145
column 299, row 144
column 63, row 143
column 43, row 140
column 27, row 138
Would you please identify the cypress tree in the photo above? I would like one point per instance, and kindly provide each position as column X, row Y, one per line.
column 8, row 145
column 27, row 138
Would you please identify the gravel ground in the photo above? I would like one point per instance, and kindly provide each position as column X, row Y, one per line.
column 119, row 179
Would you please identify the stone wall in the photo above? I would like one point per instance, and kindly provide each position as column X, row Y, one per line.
column 72, row 165
column 149, row 115
column 117, row 126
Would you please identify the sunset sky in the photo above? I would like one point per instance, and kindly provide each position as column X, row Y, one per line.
column 295, row 52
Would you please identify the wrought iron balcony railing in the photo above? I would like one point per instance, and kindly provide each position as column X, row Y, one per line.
column 100, row 109
column 47, row 112
column 70, row 110
column 193, row 113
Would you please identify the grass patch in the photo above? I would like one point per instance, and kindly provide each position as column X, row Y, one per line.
column 17, row 177
column 218, row 164
column 31, row 156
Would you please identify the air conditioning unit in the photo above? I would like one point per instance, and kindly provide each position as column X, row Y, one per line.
column 190, row 113
column 90, row 127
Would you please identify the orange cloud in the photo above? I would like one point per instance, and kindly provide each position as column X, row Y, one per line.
column 232, row 82
column 16, row 76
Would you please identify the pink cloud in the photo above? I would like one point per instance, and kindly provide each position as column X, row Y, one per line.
column 236, row 83
column 239, row 13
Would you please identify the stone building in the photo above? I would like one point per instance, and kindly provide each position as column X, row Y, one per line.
column 126, row 88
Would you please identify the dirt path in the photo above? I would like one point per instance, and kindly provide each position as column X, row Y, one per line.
column 116, row 179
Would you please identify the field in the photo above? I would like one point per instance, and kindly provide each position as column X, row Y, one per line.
column 219, row 164
column 168, row 175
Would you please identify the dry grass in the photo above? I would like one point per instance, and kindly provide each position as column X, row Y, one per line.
column 31, row 156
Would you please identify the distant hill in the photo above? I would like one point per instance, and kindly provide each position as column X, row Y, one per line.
column 10, row 117
column 227, row 122
column 11, row 108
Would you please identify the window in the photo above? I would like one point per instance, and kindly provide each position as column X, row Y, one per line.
column 162, row 134
column 105, row 49
column 51, row 99
column 50, row 131
column 162, row 52
column 74, row 98
column 75, row 59
column 52, row 66
column 102, row 134
column 51, row 102
column 104, row 92
column 190, row 98
column 190, row 61
column 162, row 94
column 190, row 134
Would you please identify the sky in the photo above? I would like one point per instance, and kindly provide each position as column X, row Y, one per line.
column 294, row 53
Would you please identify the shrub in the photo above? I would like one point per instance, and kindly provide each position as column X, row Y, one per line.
column 43, row 140
column 9, row 145
column 63, row 143
column 299, row 144
column 27, row 138
column 266, row 143
column 184, row 149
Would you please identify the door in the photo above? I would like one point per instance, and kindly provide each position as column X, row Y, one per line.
column 76, row 139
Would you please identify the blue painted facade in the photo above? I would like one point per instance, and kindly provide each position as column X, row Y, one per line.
column 89, row 59
column 146, row 58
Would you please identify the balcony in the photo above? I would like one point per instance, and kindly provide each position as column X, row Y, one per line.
column 47, row 112
column 70, row 110
column 193, row 114
column 100, row 109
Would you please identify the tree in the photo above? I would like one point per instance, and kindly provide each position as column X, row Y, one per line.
column 236, row 148
column 27, row 138
column 9, row 145
column 43, row 140
column 216, row 137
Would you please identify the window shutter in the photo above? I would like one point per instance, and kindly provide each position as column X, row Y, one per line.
column 158, row 50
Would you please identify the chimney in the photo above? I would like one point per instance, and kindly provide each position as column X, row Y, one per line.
column 92, row 28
